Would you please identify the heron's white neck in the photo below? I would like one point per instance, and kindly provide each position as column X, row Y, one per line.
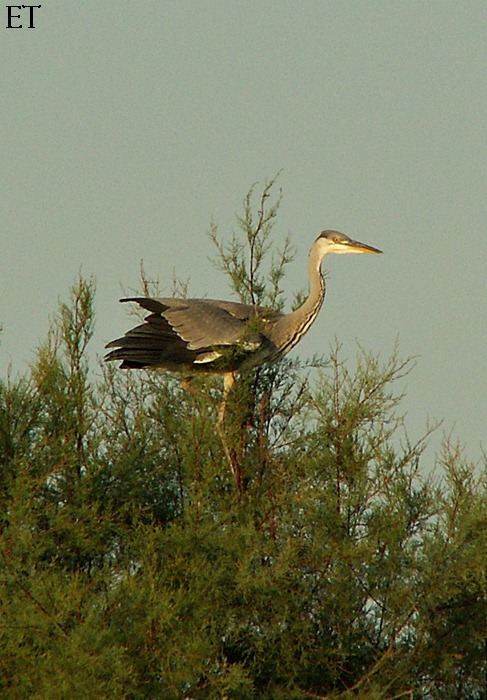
column 316, row 279
column 294, row 325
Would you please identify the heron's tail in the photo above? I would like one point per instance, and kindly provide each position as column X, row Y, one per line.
column 152, row 344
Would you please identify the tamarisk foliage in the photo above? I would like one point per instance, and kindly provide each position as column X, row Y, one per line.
column 132, row 565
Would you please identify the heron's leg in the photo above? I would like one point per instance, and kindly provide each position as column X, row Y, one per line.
column 229, row 379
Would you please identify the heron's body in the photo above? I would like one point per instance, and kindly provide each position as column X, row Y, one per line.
column 213, row 336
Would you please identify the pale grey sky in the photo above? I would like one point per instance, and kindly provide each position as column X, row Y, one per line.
column 127, row 127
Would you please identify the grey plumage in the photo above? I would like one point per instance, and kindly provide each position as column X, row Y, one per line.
column 209, row 335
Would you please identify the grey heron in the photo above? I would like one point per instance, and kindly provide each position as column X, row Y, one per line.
column 222, row 337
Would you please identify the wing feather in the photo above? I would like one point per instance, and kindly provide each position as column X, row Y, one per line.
column 204, row 323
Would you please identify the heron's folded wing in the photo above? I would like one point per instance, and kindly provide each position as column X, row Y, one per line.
column 202, row 324
column 234, row 308
column 209, row 322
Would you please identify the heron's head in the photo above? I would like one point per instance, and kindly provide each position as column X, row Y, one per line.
column 336, row 242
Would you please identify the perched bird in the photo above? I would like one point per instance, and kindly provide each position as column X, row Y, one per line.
column 213, row 336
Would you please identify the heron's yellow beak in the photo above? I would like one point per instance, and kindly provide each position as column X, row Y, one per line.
column 358, row 247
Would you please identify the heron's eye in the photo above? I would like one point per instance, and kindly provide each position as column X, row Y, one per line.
column 336, row 239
